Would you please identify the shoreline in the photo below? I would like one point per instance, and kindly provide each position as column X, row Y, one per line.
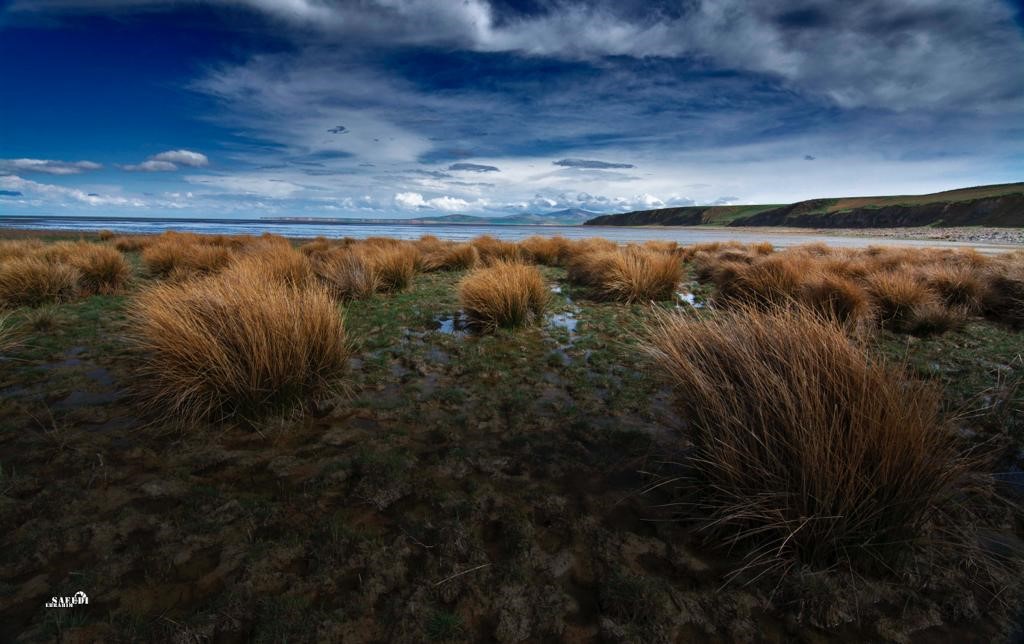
column 987, row 236
column 988, row 240
column 984, row 235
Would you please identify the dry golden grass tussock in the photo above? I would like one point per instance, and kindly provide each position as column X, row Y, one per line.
column 428, row 242
column 772, row 281
column 813, row 249
column 959, row 285
column 640, row 275
column 18, row 248
column 61, row 252
column 660, row 246
column 393, row 265
column 807, row 446
column 590, row 245
column 836, row 298
column 845, row 266
column 346, row 274
column 237, row 345
column 549, row 251
column 315, row 246
column 505, row 294
column 687, row 252
column 32, row 281
column 897, row 295
column 184, row 259
column 630, row 274
column 587, row 268
column 383, row 242
column 449, row 257
column 132, row 243
column 103, row 270
column 494, row 250
column 1004, row 295
column 705, row 264
column 735, row 255
column 277, row 262
column 105, row 235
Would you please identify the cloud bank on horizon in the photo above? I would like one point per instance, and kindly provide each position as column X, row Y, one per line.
column 391, row 108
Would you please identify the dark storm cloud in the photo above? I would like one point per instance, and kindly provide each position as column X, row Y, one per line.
column 591, row 164
column 866, row 53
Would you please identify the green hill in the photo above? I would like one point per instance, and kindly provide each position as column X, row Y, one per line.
column 995, row 205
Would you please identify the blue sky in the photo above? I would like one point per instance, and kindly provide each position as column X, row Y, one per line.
column 403, row 108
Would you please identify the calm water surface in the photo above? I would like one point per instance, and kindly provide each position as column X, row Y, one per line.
column 461, row 232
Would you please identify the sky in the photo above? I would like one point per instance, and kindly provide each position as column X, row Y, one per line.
column 409, row 108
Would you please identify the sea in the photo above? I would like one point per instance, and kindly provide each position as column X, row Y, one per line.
column 457, row 232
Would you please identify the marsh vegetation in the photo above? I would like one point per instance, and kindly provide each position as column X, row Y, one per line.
column 224, row 437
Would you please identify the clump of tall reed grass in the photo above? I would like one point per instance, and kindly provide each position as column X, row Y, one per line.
column 835, row 298
column 278, row 262
column 184, row 258
column 550, row 251
column 393, row 264
column 346, row 274
column 504, row 294
column 494, row 250
column 808, row 448
column 915, row 291
column 315, row 247
column 102, row 269
column 905, row 304
column 236, row 344
column 132, row 243
column 1003, row 299
column 449, row 257
column 18, row 248
column 33, row 281
column 631, row 274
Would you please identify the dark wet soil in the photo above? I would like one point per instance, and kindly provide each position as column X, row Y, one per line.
column 464, row 488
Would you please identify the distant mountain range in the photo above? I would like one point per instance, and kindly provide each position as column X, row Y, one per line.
column 996, row 205
column 567, row 217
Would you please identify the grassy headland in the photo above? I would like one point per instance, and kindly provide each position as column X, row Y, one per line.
column 996, row 205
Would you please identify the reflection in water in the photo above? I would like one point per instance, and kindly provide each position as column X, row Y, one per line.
column 567, row 321
column 454, row 324
column 689, row 299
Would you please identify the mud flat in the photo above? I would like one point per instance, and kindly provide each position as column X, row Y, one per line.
column 986, row 237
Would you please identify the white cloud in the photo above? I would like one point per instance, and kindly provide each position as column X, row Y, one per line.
column 151, row 166
column 169, row 161
column 183, row 157
column 451, row 204
column 415, row 201
column 410, row 200
column 61, row 193
column 47, row 166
